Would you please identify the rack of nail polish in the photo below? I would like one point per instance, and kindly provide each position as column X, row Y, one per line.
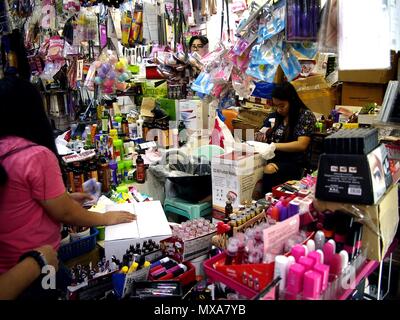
column 189, row 240
column 91, row 281
column 302, row 20
column 149, row 250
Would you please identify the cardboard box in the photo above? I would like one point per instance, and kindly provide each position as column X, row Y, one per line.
column 359, row 94
column 236, row 174
column 183, row 250
column 354, row 178
column 383, row 218
column 371, row 76
column 320, row 101
column 150, row 223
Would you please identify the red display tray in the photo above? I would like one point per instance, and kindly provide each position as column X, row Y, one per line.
column 231, row 275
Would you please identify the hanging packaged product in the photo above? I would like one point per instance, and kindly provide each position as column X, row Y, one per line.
column 273, row 24
column 302, row 20
column 262, row 72
column 307, row 49
column 269, row 52
column 290, row 64
column 203, row 83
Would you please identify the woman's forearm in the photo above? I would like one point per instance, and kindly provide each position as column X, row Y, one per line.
column 18, row 278
column 80, row 217
column 294, row 146
column 300, row 145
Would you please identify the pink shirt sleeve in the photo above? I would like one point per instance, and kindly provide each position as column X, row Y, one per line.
column 44, row 175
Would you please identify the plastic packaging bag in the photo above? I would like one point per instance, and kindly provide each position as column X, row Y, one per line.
column 307, row 49
column 267, row 151
column 203, row 83
column 274, row 25
column 290, row 64
column 269, row 52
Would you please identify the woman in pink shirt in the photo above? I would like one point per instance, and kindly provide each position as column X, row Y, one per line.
column 33, row 198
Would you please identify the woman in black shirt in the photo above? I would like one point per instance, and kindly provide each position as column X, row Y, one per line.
column 291, row 133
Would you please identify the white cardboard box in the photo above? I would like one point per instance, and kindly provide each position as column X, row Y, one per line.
column 235, row 173
column 151, row 223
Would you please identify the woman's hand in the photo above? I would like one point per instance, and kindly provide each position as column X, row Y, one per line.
column 81, row 197
column 50, row 255
column 271, row 168
column 116, row 217
column 260, row 137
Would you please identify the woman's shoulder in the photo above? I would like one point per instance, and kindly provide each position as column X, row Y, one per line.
column 307, row 115
column 23, row 148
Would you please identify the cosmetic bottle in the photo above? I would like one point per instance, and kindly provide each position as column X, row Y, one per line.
column 312, row 285
column 307, row 262
column 310, row 246
column 140, row 169
column 284, row 210
column 275, row 213
column 281, row 269
column 323, row 270
column 333, row 243
column 345, row 259
column 231, row 251
column 297, row 252
column 294, row 281
column 316, row 256
column 319, row 240
column 329, row 251
column 336, row 266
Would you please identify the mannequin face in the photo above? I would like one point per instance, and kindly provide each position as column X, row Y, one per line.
column 197, row 46
column 282, row 106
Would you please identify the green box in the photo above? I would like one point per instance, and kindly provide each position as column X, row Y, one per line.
column 169, row 106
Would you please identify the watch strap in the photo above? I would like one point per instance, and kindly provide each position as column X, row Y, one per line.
column 38, row 256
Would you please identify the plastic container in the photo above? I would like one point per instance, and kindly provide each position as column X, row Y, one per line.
column 80, row 235
column 192, row 188
column 102, row 233
column 214, row 275
column 78, row 247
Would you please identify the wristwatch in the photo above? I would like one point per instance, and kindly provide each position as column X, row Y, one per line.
column 38, row 256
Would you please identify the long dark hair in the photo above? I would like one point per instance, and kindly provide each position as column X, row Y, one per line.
column 287, row 92
column 22, row 114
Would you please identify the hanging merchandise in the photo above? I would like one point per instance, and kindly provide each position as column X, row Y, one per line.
column 290, row 64
column 48, row 15
column 272, row 24
column 302, row 20
column 71, row 6
column 307, row 49
column 22, row 8
column 327, row 35
column 268, row 53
